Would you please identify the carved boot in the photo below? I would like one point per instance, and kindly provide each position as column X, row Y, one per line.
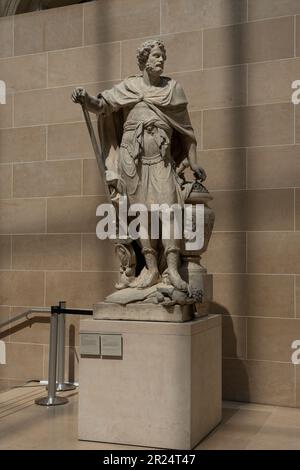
column 173, row 258
column 150, row 274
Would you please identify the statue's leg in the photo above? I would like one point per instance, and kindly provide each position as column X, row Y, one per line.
column 172, row 251
column 149, row 275
column 172, row 248
column 127, row 259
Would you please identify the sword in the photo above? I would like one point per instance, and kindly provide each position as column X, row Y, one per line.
column 100, row 161
column 97, row 147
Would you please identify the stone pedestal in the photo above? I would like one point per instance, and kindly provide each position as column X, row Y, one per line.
column 143, row 312
column 163, row 391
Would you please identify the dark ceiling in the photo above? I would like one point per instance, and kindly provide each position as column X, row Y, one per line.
column 14, row 7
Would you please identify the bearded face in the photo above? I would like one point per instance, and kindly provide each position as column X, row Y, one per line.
column 155, row 62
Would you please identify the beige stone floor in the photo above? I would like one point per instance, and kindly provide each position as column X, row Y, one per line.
column 24, row 425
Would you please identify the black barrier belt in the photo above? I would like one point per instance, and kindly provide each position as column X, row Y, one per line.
column 70, row 311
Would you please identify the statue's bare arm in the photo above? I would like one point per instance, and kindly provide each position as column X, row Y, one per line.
column 192, row 161
column 93, row 104
column 191, row 157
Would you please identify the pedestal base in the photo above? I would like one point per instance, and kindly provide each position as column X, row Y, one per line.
column 143, row 312
column 165, row 389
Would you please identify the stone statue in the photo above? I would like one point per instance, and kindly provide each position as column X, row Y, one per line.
column 147, row 142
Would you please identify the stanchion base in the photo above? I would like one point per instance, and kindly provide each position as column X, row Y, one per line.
column 46, row 401
column 65, row 387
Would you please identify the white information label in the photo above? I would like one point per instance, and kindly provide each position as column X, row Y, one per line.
column 111, row 345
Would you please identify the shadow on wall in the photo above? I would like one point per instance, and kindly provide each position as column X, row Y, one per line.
column 73, row 356
column 235, row 382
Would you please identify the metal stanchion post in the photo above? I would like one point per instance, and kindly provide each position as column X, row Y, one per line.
column 52, row 399
column 61, row 385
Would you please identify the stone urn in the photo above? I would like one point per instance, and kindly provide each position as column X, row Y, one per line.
column 191, row 270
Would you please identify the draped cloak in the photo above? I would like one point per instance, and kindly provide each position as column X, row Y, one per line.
column 167, row 102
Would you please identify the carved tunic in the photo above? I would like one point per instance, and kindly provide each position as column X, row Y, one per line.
column 145, row 163
column 145, row 159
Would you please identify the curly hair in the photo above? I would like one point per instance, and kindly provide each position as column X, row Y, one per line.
column 143, row 52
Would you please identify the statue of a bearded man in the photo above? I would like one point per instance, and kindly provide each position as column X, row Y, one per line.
column 147, row 140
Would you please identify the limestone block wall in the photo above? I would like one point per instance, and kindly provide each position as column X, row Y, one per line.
column 236, row 60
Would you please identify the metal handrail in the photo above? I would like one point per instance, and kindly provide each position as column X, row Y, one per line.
column 58, row 309
column 25, row 314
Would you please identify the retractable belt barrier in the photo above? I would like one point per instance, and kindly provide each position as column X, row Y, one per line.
column 56, row 371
